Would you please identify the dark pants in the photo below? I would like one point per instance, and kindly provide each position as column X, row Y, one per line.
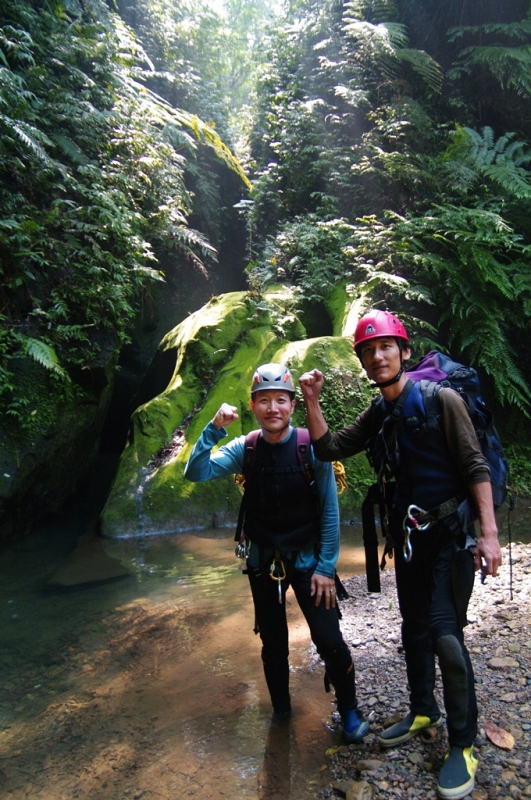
column 324, row 629
column 434, row 589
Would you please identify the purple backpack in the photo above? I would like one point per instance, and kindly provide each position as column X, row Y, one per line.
column 436, row 370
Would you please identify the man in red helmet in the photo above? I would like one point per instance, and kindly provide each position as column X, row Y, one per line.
column 431, row 469
column 290, row 537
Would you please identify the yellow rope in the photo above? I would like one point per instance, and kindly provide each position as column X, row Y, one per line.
column 340, row 476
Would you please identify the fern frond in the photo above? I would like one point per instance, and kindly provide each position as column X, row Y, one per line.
column 477, row 156
column 70, row 148
column 372, row 10
column 387, row 44
column 31, row 137
column 513, row 30
column 510, row 66
column 44, row 354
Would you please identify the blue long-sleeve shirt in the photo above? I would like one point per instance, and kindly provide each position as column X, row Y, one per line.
column 203, row 465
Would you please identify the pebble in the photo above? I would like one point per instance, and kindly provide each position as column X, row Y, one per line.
column 500, row 647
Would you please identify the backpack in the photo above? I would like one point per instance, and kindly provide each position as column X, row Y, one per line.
column 436, row 370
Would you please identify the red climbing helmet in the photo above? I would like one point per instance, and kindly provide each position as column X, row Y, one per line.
column 376, row 324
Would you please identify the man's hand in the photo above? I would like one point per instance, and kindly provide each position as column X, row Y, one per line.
column 311, row 383
column 488, row 556
column 225, row 416
column 322, row 586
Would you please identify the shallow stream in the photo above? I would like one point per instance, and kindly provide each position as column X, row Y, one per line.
column 149, row 683
column 129, row 669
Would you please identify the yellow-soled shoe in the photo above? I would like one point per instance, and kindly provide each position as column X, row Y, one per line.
column 456, row 778
column 408, row 727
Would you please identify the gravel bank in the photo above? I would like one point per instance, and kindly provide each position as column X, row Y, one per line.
column 499, row 640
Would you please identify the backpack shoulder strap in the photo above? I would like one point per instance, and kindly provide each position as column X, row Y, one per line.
column 303, row 454
column 430, row 394
column 400, row 403
column 249, row 455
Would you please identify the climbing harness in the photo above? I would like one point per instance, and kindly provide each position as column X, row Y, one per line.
column 277, row 572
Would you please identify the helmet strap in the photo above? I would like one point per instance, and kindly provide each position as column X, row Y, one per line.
column 393, row 380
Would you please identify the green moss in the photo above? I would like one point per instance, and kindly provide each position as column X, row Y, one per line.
column 206, row 376
column 345, row 304
column 338, row 305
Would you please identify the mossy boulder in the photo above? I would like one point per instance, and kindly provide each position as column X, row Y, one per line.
column 216, row 351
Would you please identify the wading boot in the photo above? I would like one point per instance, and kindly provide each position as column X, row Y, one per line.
column 408, row 727
column 456, row 778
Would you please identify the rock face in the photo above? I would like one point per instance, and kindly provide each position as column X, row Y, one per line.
column 45, row 464
column 216, row 350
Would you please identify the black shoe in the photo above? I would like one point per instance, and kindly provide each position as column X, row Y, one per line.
column 280, row 716
column 456, row 778
column 408, row 727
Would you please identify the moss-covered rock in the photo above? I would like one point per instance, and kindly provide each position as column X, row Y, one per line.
column 216, row 351
column 345, row 304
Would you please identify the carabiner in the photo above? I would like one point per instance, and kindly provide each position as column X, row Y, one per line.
column 407, row 550
column 272, row 569
column 242, row 549
column 281, row 575
column 411, row 511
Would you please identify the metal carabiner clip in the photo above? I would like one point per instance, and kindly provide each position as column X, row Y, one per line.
column 242, row 548
column 281, row 574
column 411, row 511
column 407, row 550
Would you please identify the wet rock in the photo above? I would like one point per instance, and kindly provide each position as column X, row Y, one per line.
column 360, row 791
column 503, row 663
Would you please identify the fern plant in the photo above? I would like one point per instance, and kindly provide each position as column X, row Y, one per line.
column 504, row 53
column 92, row 186
column 475, row 156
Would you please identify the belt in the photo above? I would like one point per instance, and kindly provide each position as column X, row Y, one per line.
column 419, row 516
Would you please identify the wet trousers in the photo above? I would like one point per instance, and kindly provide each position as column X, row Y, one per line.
column 434, row 589
column 272, row 626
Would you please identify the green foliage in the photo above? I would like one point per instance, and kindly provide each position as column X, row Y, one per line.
column 308, row 253
column 519, row 456
column 504, row 53
column 44, row 354
column 426, row 217
column 92, row 186
column 474, row 157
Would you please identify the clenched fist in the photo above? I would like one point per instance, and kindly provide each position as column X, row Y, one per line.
column 225, row 416
column 311, row 383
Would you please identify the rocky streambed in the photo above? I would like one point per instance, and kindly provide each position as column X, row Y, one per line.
column 499, row 639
